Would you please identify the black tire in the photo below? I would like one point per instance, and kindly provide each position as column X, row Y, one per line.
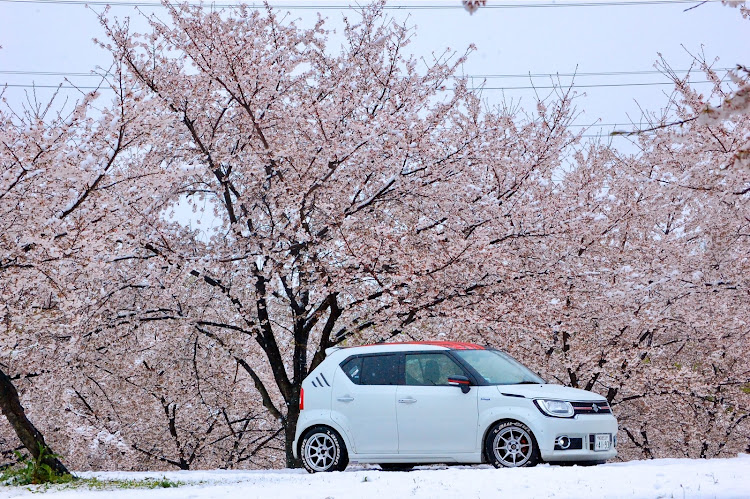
column 510, row 444
column 322, row 449
column 396, row 467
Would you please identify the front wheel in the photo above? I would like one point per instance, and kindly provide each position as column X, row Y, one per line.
column 511, row 444
column 323, row 450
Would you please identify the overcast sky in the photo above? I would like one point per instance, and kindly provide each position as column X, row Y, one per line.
column 512, row 38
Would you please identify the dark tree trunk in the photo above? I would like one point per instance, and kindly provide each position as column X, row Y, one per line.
column 290, row 427
column 30, row 437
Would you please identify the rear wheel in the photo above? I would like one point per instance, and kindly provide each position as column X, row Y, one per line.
column 511, row 444
column 323, row 449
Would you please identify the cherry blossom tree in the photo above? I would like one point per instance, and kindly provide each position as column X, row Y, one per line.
column 473, row 5
column 33, row 246
column 40, row 191
column 654, row 309
column 697, row 179
column 740, row 4
column 354, row 195
column 59, row 214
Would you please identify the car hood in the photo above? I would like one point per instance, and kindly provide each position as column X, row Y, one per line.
column 557, row 392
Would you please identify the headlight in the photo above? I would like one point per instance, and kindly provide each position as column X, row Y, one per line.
column 555, row 408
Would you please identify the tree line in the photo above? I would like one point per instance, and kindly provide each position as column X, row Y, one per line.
column 176, row 259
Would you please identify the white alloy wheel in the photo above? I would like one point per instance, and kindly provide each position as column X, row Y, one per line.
column 322, row 450
column 510, row 445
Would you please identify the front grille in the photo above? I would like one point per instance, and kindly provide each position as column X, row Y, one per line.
column 591, row 408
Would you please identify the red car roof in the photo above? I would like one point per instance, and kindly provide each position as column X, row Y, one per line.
column 453, row 345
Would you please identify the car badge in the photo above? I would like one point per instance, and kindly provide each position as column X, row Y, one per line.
column 595, row 408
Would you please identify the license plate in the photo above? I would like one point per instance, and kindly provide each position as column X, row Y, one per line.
column 602, row 441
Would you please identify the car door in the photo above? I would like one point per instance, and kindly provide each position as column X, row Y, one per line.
column 364, row 402
column 433, row 416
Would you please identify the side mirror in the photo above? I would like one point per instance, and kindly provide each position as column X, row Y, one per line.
column 461, row 381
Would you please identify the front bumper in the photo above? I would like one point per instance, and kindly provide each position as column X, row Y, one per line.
column 580, row 429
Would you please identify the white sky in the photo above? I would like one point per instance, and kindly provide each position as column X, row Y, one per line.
column 44, row 36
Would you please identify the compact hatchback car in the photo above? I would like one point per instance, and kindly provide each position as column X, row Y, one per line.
column 402, row 404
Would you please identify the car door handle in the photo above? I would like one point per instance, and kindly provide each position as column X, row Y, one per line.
column 345, row 398
column 407, row 401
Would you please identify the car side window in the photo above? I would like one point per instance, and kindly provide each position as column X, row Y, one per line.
column 432, row 369
column 379, row 370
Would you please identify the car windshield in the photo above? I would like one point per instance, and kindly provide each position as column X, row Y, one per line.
column 498, row 368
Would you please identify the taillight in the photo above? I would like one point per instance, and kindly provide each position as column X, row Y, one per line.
column 301, row 399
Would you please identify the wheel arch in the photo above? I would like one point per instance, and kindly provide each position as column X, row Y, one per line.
column 303, row 433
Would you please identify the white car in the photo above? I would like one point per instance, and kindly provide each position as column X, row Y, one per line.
column 402, row 404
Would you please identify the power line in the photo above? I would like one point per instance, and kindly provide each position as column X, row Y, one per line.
column 593, row 85
column 455, row 5
column 477, row 76
column 601, row 73
column 47, row 73
column 523, row 87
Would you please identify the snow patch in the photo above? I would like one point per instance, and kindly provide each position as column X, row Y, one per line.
column 726, row 478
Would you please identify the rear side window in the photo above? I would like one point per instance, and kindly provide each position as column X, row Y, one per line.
column 373, row 369
column 379, row 370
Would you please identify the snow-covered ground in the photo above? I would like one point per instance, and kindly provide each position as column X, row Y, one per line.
column 678, row 478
